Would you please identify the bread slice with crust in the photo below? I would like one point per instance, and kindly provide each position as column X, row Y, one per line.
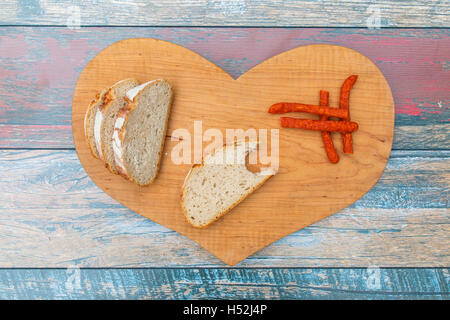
column 216, row 186
column 89, row 120
column 105, row 119
column 140, row 131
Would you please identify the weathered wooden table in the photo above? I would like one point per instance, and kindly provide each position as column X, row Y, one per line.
column 61, row 237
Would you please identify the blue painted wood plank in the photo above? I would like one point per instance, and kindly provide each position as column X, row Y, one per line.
column 39, row 68
column 348, row 13
column 53, row 215
column 215, row 283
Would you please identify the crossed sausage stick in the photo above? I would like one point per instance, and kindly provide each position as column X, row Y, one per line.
column 345, row 126
column 326, row 135
column 344, row 104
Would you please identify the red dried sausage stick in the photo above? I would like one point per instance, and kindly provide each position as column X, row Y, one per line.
column 319, row 125
column 344, row 104
column 284, row 107
column 326, row 135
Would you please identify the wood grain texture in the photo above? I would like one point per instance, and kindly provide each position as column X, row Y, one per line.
column 204, row 92
column 39, row 68
column 62, row 219
column 418, row 13
column 37, row 75
column 213, row 283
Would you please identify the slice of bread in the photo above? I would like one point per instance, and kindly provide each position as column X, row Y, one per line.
column 89, row 120
column 140, row 131
column 105, row 119
column 216, row 186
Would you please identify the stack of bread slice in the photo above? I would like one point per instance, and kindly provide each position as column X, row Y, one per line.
column 125, row 126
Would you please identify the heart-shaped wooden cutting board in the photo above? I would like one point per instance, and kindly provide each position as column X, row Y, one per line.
column 307, row 187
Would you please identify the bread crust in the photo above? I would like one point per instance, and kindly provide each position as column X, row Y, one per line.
column 125, row 113
column 107, row 102
column 221, row 214
column 92, row 148
column 108, row 99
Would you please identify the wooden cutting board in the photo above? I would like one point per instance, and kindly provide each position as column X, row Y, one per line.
column 307, row 187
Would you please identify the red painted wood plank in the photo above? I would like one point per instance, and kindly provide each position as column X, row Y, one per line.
column 39, row 68
column 243, row 13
